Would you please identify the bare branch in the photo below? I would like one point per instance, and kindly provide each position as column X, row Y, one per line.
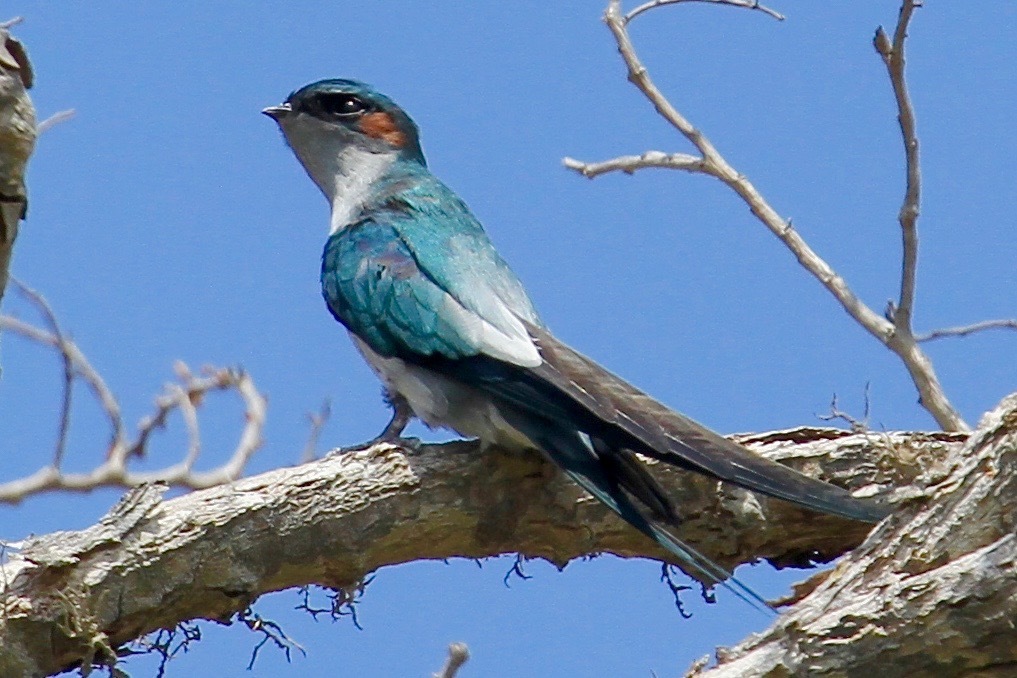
column 458, row 654
column 893, row 57
column 55, row 119
column 856, row 425
column 746, row 4
column 630, row 163
column 68, row 362
column 318, row 420
column 333, row 521
column 964, row 330
column 271, row 632
column 932, row 396
column 185, row 396
column 82, row 368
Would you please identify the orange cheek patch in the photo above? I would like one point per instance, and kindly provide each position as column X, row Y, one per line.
column 380, row 125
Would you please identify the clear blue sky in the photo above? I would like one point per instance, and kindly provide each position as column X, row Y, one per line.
column 168, row 221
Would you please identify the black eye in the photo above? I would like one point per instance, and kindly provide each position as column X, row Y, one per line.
column 341, row 105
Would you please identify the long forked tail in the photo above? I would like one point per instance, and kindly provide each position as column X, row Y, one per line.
column 611, row 476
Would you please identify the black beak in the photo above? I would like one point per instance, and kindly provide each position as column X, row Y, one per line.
column 279, row 112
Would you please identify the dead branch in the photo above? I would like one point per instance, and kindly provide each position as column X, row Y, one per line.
column 893, row 58
column 317, row 420
column 185, row 397
column 895, row 334
column 151, row 564
column 964, row 330
column 458, row 654
column 17, row 141
column 745, row 4
column 929, row 593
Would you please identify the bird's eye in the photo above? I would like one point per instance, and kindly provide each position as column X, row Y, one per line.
column 342, row 105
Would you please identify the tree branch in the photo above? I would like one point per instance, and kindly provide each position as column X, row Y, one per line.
column 745, row 4
column 965, row 330
column 150, row 564
column 930, row 593
column 17, row 141
column 114, row 471
column 711, row 162
column 458, row 654
column 893, row 57
column 630, row 163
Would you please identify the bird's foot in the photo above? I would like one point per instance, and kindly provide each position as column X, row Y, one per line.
column 393, row 432
column 408, row 444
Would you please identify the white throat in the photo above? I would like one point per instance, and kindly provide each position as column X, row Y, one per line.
column 356, row 172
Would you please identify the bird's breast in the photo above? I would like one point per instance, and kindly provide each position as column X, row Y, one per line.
column 441, row 402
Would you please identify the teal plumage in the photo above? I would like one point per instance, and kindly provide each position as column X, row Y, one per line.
column 451, row 332
column 388, row 275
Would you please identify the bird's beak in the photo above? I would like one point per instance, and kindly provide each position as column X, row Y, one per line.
column 279, row 112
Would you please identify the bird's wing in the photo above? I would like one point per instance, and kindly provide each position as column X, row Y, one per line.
column 376, row 286
column 568, row 386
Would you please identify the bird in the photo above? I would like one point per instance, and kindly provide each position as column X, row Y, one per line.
column 457, row 343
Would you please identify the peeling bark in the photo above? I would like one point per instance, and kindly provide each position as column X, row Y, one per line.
column 17, row 140
column 150, row 564
column 931, row 592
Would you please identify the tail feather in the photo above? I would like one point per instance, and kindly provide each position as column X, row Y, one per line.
column 593, row 466
column 635, row 419
column 580, row 395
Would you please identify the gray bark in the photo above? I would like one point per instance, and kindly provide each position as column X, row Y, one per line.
column 150, row 564
column 17, row 140
column 931, row 592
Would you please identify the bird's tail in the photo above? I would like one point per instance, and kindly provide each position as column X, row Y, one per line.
column 614, row 476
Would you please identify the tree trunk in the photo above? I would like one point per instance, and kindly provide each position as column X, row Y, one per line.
column 17, row 140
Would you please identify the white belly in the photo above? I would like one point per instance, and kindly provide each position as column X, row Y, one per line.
column 441, row 402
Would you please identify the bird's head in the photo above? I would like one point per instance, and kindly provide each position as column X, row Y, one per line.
column 341, row 125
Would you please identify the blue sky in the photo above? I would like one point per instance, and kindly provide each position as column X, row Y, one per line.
column 168, row 221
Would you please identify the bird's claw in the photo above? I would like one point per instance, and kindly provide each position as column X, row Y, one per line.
column 393, row 432
column 407, row 444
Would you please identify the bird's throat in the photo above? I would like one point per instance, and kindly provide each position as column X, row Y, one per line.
column 359, row 171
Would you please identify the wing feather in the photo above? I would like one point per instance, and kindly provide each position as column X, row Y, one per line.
column 375, row 286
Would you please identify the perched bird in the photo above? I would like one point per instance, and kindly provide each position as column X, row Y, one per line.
column 454, row 338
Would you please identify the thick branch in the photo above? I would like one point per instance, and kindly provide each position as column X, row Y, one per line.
column 17, row 140
column 930, row 592
column 151, row 564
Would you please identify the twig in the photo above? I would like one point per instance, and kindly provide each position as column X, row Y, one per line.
column 517, row 570
column 630, row 163
column 271, row 632
column 857, row 425
column 68, row 386
column 318, row 420
column 746, row 4
column 458, row 654
column 676, row 589
column 82, row 368
column 964, row 330
column 185, row 396
column 712, row 163
column 343, row 601
column 893, row 57
column 55, row 119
